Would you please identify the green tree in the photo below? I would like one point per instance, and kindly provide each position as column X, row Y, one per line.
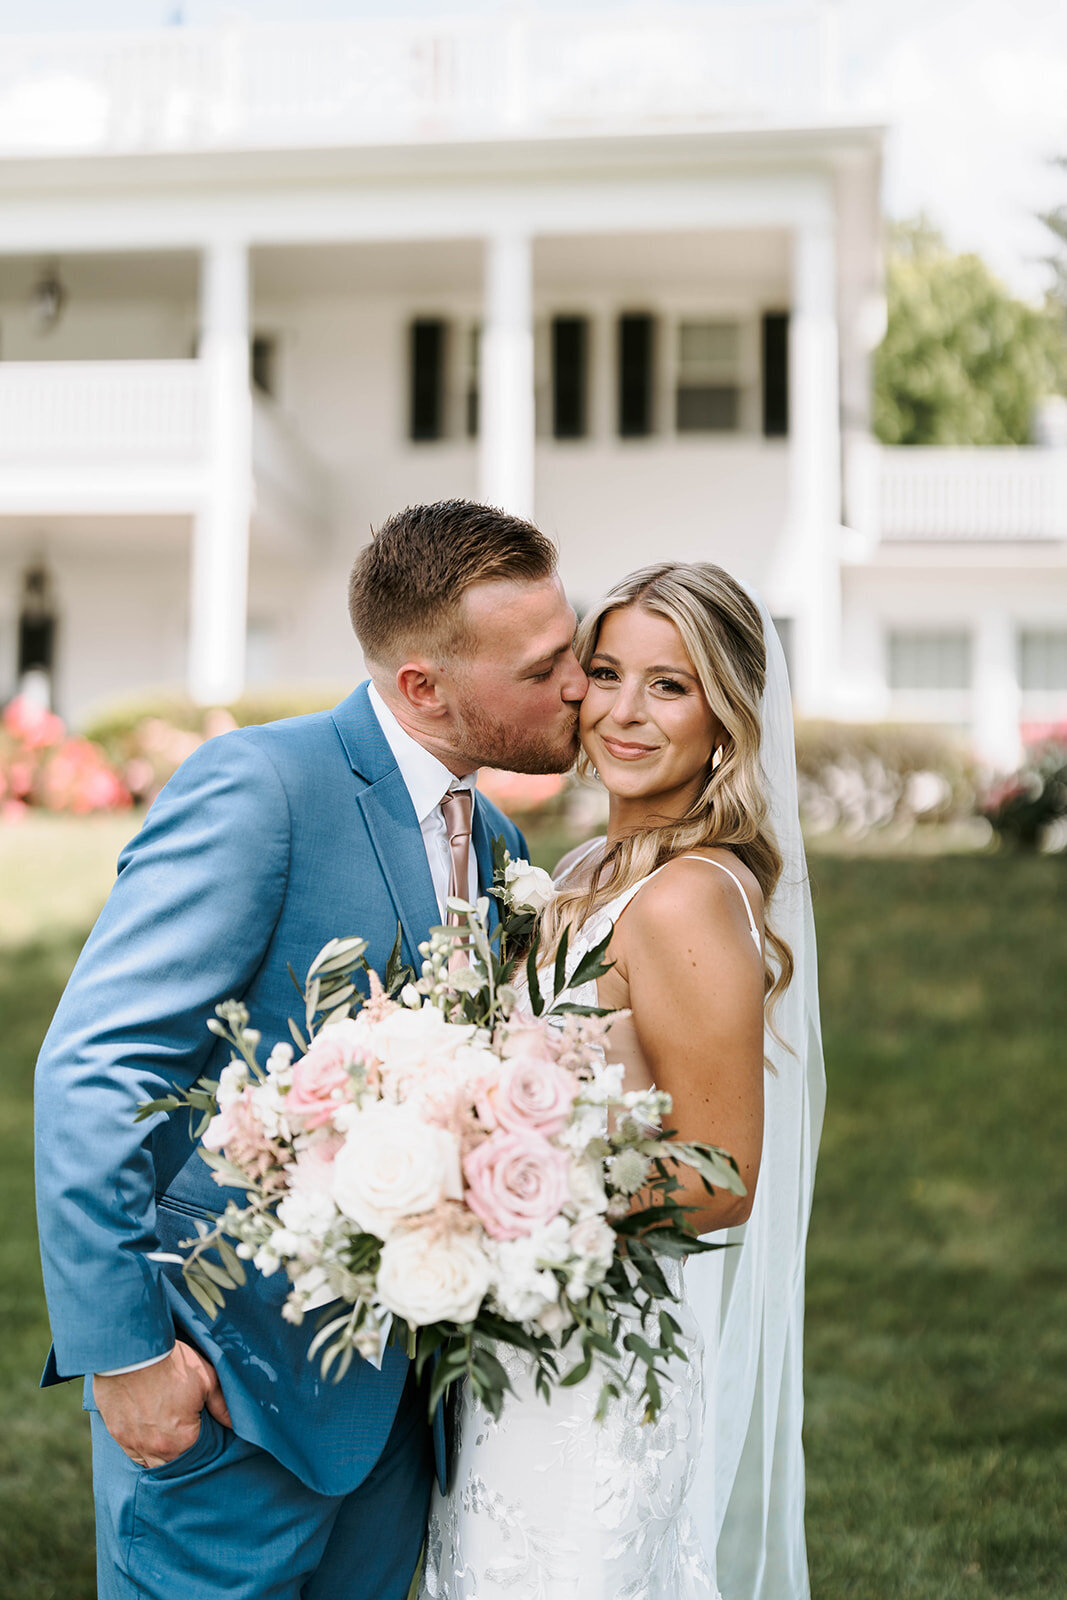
column 963, row 362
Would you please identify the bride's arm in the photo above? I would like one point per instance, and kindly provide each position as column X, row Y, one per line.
column 695, row 985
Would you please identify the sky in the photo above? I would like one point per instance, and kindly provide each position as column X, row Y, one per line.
column 974, row 92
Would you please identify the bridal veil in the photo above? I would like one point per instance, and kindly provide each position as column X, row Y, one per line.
column 747, row 1499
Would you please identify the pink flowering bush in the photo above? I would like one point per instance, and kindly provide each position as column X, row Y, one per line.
column 41, row 765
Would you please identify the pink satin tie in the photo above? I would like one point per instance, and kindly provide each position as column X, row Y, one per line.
column 456, row 809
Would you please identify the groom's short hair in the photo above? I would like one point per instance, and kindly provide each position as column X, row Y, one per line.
column 406, row 589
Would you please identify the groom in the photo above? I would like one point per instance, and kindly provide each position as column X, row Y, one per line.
column 222, row 1463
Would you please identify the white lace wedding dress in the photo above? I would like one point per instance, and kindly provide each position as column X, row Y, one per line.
column 547, row 1504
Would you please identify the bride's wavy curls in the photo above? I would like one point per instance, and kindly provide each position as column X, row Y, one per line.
column 723, row 635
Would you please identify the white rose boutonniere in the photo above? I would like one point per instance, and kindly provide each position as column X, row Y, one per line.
column 528, row 888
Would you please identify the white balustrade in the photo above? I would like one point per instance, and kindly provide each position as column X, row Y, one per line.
column 101, row 412
column 381, row 81
column 992, row 493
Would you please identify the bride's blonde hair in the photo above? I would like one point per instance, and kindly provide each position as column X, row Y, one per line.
column 722, row 632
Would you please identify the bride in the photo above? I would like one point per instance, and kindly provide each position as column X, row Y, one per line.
column 687, row 723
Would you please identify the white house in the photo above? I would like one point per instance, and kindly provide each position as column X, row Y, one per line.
column 261, row 285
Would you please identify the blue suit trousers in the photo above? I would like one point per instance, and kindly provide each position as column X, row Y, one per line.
column 226, row 1519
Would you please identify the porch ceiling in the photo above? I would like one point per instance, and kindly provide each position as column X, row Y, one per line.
column 610, row 262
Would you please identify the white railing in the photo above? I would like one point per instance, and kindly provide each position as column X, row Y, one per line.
column 291, row 484
column 981, row 493
column 372, row 82
column 98, row 413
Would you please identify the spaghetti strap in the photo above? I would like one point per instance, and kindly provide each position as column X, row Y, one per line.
column 757, row 941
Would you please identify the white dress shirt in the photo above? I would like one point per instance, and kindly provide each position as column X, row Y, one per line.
column 427, row 781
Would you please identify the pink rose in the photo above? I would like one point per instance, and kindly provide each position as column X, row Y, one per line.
column 528, row 1093
column 517, row 1183
column 320, row 1079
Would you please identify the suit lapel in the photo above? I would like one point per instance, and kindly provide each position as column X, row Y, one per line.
column 394, row 831
column 390, row 820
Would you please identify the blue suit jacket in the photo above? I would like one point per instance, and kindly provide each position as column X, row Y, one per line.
column 265, row 844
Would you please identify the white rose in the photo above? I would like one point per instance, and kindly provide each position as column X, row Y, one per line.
column 406, row 1041
column 392, row 1165
column 530, row 888
column 425, row 1278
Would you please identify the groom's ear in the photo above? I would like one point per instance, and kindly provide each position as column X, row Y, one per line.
column 418, row 683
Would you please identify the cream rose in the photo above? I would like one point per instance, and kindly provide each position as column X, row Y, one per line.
column 530, row 888
column 425, row 1278
column 393, row 1165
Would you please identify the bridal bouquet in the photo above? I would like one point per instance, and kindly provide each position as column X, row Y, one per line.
column 442, row 1162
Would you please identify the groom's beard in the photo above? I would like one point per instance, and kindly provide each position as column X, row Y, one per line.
column 489, row 741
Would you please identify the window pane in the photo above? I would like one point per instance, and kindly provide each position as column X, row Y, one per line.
column 635, row 374
column 712, row 408
column 775, row 374
column 570, row 344
column 1043, row 658
column 474, row 359
column 708, row 345
column 427, row 378
column 929, row 658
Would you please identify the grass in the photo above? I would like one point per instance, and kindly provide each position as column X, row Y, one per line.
column 937, row 1306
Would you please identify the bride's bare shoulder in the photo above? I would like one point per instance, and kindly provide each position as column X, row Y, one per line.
column 684, row 894
column 588, row 852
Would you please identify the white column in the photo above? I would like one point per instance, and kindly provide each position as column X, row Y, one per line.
column 219, row 581
column 506, row 409
column 995, row 691
column 815, row 470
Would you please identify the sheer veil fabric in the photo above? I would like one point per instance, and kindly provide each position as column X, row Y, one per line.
column 747, row 1499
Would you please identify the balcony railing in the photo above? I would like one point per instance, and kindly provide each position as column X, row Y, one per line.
column 973, row 494
column 78, row 436
column 373, row 82
column 927, row 495
column 100, row 413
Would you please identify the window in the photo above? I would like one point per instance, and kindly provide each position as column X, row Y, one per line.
column 37, row 624
column 427, row 415
column 636, row 350
column 472, row 384
column 1043, row 659
column 708, row 397
column 265, row 363
column 570, row 367
column 936, row 658
column 775, row 370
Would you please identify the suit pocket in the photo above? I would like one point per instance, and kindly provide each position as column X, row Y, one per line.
column 209, row 1442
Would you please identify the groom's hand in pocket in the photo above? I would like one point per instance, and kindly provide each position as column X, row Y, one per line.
column 154, row 1413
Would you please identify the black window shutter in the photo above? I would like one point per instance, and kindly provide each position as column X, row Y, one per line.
column 427, row 378
column 570, row 365
column 776, row 374
column 636, row 339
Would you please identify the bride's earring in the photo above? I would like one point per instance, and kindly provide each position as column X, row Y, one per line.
column 716, row 760
column 595, row 773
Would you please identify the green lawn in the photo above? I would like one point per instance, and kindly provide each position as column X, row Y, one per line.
column 937, row 1320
